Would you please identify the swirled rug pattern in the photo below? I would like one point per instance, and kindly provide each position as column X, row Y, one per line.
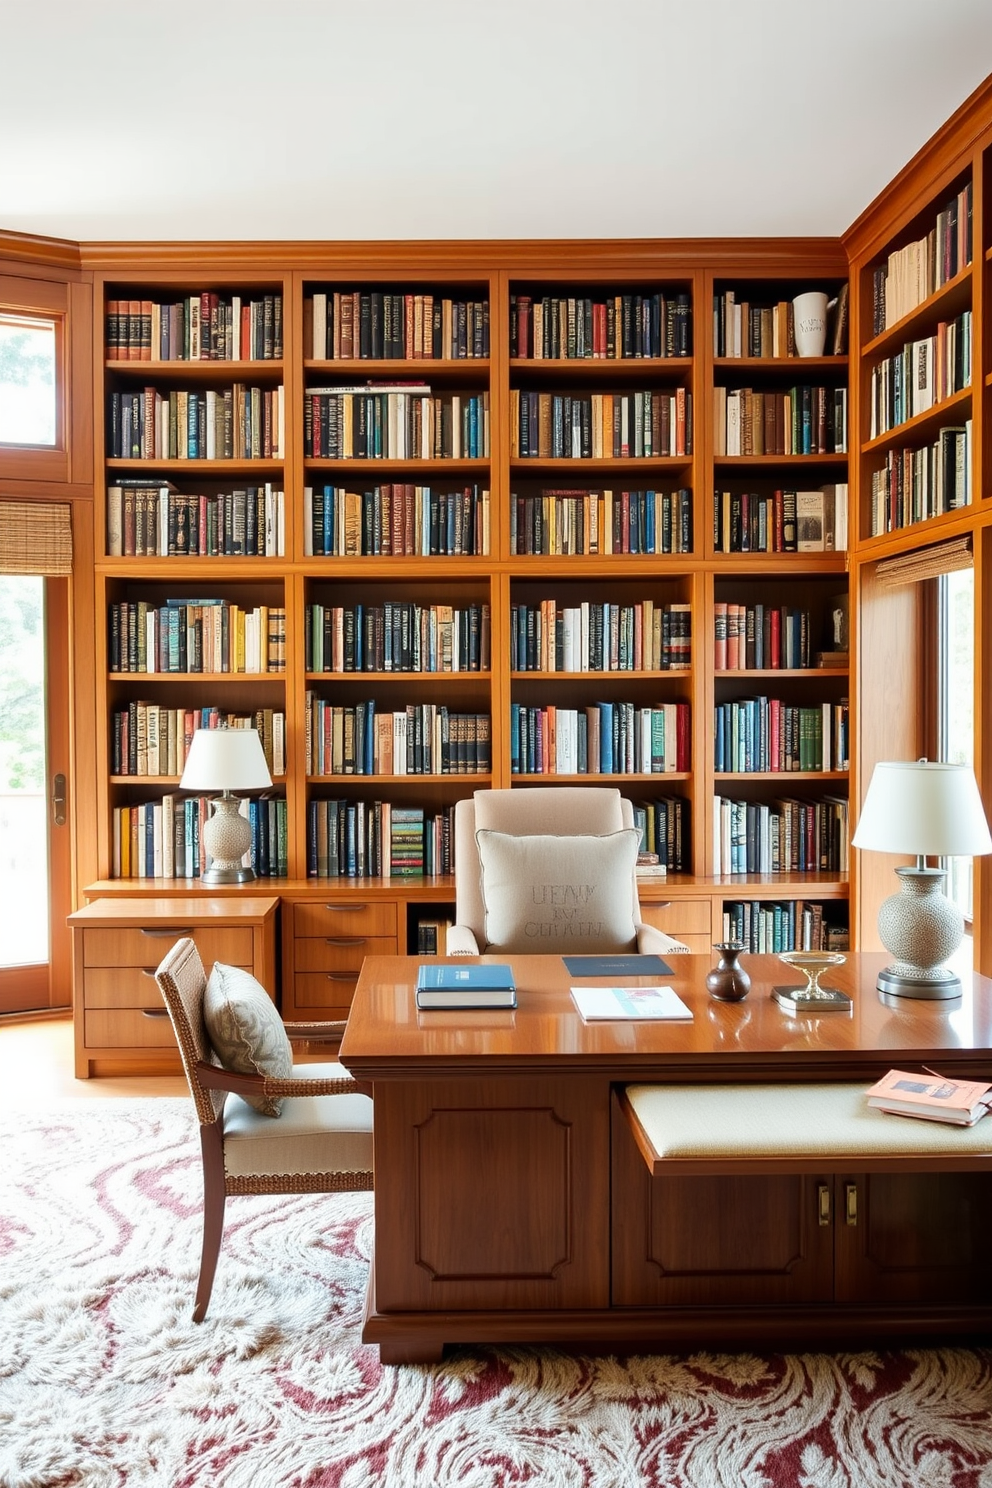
column 105, row 1382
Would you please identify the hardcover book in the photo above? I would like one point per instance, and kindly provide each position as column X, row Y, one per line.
column 456, row 986
column 932, row 1097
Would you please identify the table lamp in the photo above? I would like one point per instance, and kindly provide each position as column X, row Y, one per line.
column 226, row 759
column 929, row 810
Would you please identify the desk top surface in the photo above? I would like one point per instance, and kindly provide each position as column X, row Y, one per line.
column 389, row 1037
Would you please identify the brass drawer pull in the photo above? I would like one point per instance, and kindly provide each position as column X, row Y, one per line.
column 342, row 976
column 148, row 971
column 154, row 1012
column 345, row 908
column 176, row 932
column 344, row 940
column 823, row 1203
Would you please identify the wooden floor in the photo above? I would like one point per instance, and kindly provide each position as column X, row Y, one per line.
column 36, row 1068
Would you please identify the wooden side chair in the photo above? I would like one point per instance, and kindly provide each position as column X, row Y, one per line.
column 320, row 1143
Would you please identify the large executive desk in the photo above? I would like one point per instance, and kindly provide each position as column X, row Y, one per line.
column 512, row 1203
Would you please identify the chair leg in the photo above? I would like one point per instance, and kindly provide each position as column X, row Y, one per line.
column 214, row 1197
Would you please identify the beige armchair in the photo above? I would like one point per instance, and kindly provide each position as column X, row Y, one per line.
column 543, row 812
column 320, row 1143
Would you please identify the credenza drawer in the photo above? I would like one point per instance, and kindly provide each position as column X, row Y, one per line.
column 347, row 952
column 121, row 987
column 330, row 991
column 128, row 1028
column 346, row 918
column 679, row 916
column 119, row 946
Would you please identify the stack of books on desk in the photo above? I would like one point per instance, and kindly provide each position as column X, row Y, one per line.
column 454, row 986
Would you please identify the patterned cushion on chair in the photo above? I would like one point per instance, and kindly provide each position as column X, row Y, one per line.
column 547, row 895
column 246, row 1031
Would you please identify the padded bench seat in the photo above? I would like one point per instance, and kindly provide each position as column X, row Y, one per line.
column 791, row 1128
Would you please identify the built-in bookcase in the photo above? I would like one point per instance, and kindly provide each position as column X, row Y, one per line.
column 481, row 509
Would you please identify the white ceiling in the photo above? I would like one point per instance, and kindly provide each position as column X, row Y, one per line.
column 329, row 119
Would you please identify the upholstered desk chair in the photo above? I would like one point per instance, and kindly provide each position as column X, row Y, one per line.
column 548, row 870
column 321, row 1139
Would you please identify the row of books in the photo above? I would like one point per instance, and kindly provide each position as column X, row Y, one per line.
column 597, row 426
column 397, row 636
column 420, row 739
column 802, row 420
column 151, row 739
column 744, row 328
column 235, row 423
column 395, row 520
column 616, row 738
column 757, row 636
column 164, row 839
column 205, row 327
column 913, row 273
column 782, row 925
column 394, row 422
column 556, row 523
column 358, row 839
column 782, row 836
column 612, row 328
column 153, row 519
column 196, row 635
column 915, row 484
column 432, row 935
column 664, row 827
column 590, row 637
column 386, row 325
column 759, row 734
column 922, row 374
column 782, row 521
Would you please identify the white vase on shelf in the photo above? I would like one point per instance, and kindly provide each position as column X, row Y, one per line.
column 809, row 314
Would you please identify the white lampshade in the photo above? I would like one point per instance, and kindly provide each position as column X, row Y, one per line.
column 923, row 808
column 228, row 759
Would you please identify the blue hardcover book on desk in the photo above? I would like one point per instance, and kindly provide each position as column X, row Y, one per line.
column 447, row 986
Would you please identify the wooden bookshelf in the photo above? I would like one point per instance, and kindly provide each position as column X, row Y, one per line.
column 409, row 485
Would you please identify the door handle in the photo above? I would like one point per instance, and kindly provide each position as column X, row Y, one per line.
column 58, row 800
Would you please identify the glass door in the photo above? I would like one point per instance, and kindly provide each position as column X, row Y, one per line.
column 35, row 960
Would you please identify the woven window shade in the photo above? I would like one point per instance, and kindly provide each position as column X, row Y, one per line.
column 35, row 537
column 926, row 563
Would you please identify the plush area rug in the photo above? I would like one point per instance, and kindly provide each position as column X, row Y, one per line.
column 106, row 1383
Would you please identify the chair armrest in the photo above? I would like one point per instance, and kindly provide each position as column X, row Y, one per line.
column 461, row 941
column 315, row 1033
column 215, row 1078
column 652, row 941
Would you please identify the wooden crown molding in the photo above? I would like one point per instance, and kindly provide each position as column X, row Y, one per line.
column 23, row 253
column 947, row 153
column 463, row 258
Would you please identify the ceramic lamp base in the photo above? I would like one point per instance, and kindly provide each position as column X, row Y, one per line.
column 226, row 838
column 921, row 928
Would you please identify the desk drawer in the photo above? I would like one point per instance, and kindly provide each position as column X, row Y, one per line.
column 128, row 1028
column 327, row 993
column 343, row 953
column 326, row 918
column 120, row 946
column 121, row 987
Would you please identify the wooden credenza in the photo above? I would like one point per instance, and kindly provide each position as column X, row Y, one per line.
column 512, row 1203
column 121, row 1025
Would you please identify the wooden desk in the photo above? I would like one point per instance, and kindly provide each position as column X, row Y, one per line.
column 512, row 1205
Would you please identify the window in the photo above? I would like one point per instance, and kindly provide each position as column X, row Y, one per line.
column 28, row 383
column 955, row 699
